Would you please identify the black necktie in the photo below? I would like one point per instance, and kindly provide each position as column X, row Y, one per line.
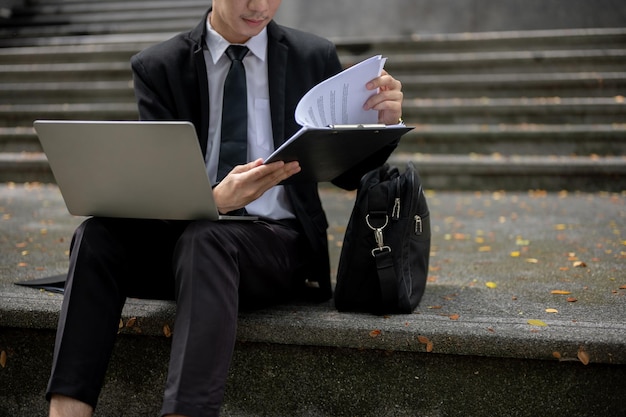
column 234, row 142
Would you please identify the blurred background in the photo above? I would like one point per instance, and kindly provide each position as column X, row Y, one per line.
column 504, row 94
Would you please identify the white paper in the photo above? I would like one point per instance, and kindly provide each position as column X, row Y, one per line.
column 339, row 100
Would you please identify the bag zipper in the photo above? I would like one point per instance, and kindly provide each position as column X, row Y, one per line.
column 418, row 225
column 395, row 212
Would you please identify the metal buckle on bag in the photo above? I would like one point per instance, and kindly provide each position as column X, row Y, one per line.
column 378, row 235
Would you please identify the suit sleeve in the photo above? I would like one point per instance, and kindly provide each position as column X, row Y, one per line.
column 150, row 102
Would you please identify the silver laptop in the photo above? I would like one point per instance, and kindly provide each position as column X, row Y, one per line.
column 151, row 170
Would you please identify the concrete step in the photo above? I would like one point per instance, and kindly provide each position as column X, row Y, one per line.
column 88, row 7
column 43, row 86
column 468, row 349
column 442, row 172
column 19, row 139
column 529, row 40
column 495, row 85
column 514, row 61
column 80, row 18
column 69, row 92
column 404, row 63
column 25, row 114
column 86, row 39
column 520, row 140
column 487, row 111
column 517, row 139
column 59, row 72
column 79, row 53
column 156, row 25
column 515, row 110
column 59, row 16
column 526, row 172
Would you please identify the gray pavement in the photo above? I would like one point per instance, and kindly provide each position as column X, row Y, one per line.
column 497, row 258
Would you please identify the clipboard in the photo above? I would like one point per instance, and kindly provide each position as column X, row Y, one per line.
column 326, row 153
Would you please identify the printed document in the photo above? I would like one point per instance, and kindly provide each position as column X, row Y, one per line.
column 339, row 100
column 336, row 131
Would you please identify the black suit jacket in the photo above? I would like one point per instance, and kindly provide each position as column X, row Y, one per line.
column 170, row 81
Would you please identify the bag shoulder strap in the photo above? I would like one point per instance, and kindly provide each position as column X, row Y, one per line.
column 387, row 280
column 377, row 219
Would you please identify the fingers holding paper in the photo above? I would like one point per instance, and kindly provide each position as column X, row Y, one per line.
column 388, row 100
column 246, row 183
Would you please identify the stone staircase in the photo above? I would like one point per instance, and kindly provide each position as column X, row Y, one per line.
column 522, row 110
column 502, row 110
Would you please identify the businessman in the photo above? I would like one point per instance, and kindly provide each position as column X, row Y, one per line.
column 237, row 77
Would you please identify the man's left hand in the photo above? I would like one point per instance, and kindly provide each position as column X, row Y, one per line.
column 388, row 101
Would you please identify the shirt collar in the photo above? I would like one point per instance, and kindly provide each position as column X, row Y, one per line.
column 217, row 44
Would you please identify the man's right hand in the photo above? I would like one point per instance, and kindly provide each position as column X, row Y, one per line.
column 246, row 183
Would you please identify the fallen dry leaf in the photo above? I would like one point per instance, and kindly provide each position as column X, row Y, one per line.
column 538, row 323
column 429, row 347
column 557, row 355
column 551, row 310
column 167, row 331
column 454, row 317
column 131, row 322
column 583, row 356
column 423, row 339
column 572, row 299
column 375, row 333
column 3, row 359
column 491, row 284
column 580, row 264
column 560, row 292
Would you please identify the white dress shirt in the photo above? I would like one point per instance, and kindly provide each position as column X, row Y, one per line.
column 274, row 204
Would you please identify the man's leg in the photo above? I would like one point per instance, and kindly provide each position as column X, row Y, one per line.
column 110, row 259
column 216, row 263
column 62, row 406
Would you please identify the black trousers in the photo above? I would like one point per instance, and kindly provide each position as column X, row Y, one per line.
column 211, row 269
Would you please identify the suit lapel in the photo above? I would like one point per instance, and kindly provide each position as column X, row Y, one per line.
column 197, row 37
column 198, row 56
column 277, row 78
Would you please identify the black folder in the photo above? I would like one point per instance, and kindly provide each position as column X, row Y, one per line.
column 326, row 153
column 55, row 283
